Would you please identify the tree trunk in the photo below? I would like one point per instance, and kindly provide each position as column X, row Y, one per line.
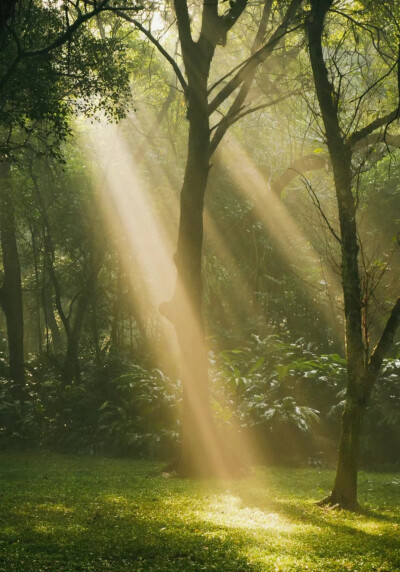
column 71, row 369
column 48, row 309
column 196, row 432
column 345, row 487
column 200, row 449
column 11, row 291
column 344, row 491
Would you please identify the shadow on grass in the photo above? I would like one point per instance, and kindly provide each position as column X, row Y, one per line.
column 91, row 515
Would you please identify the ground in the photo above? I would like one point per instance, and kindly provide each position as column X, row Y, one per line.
column 62, row 513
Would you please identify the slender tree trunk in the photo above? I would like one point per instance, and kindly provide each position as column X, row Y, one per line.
column 71, row 369
column 11, row 290
column 186, row 309
column 345, row 488
column 48, row 309
column 361, row 372
column 39, row 332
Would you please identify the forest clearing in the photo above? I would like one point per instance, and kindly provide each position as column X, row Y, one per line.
column 78, row 513
column 199, row 285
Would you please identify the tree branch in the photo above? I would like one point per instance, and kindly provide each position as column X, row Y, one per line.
column 386, row 341
column 233, row 15
column 155, row 42
column 183, row 19
column 257, row 58
column 67, row 35
column 357, row 136
column 233, row 114
column 300, row 166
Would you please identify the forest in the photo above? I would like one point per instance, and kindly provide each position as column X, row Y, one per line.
column 199, row 285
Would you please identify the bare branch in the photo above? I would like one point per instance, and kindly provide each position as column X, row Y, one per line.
column 371, row 127
column 316, row 202
column 231, row 119
column 233, row 113
column 300, row 166
column 258, row 57
column 155, row 42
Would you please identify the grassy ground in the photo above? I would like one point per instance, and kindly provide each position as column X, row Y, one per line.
column 84, row 514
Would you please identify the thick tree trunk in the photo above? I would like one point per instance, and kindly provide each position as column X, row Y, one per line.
column 11, row 291
column 344, row 491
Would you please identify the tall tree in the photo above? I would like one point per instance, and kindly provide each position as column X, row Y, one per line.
column 362, row 370
column 199, row 454
column 11, row 289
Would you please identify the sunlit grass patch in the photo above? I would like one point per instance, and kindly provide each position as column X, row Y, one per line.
column 74, row 513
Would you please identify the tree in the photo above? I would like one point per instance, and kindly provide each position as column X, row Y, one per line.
column 200, row 451
column 362, row 370
column 11, row 289
column 74, row 70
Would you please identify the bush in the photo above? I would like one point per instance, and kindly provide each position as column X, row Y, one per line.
column 117, row 408
column 283, row 392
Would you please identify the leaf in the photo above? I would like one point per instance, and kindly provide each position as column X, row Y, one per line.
column 256, row 366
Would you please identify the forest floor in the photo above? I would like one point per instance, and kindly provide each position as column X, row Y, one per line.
column 63, row 513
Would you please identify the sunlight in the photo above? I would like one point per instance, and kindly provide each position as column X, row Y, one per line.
column 272, row 212
column 228, row 511
column 146, row 252
column 243, row 296
column 142, row 232
column 57, row 508
column 128, row 212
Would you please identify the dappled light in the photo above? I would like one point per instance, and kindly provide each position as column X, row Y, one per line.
column 267, row 521
column 199, row 305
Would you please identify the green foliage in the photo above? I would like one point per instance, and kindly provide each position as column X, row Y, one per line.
column 40, row 93
column 381, row 444
column 283, row 390
column 118, row 408
column 285, row 395
column 140, row 414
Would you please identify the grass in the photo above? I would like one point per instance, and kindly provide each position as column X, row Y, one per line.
column 64, row 513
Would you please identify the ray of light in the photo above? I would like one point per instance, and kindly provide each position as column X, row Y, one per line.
column 128, row 210
column 272, row 212
column 146, row 252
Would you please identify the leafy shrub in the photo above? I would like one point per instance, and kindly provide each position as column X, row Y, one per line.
column 141, row 415
column 284, row 392
column 117, row 408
